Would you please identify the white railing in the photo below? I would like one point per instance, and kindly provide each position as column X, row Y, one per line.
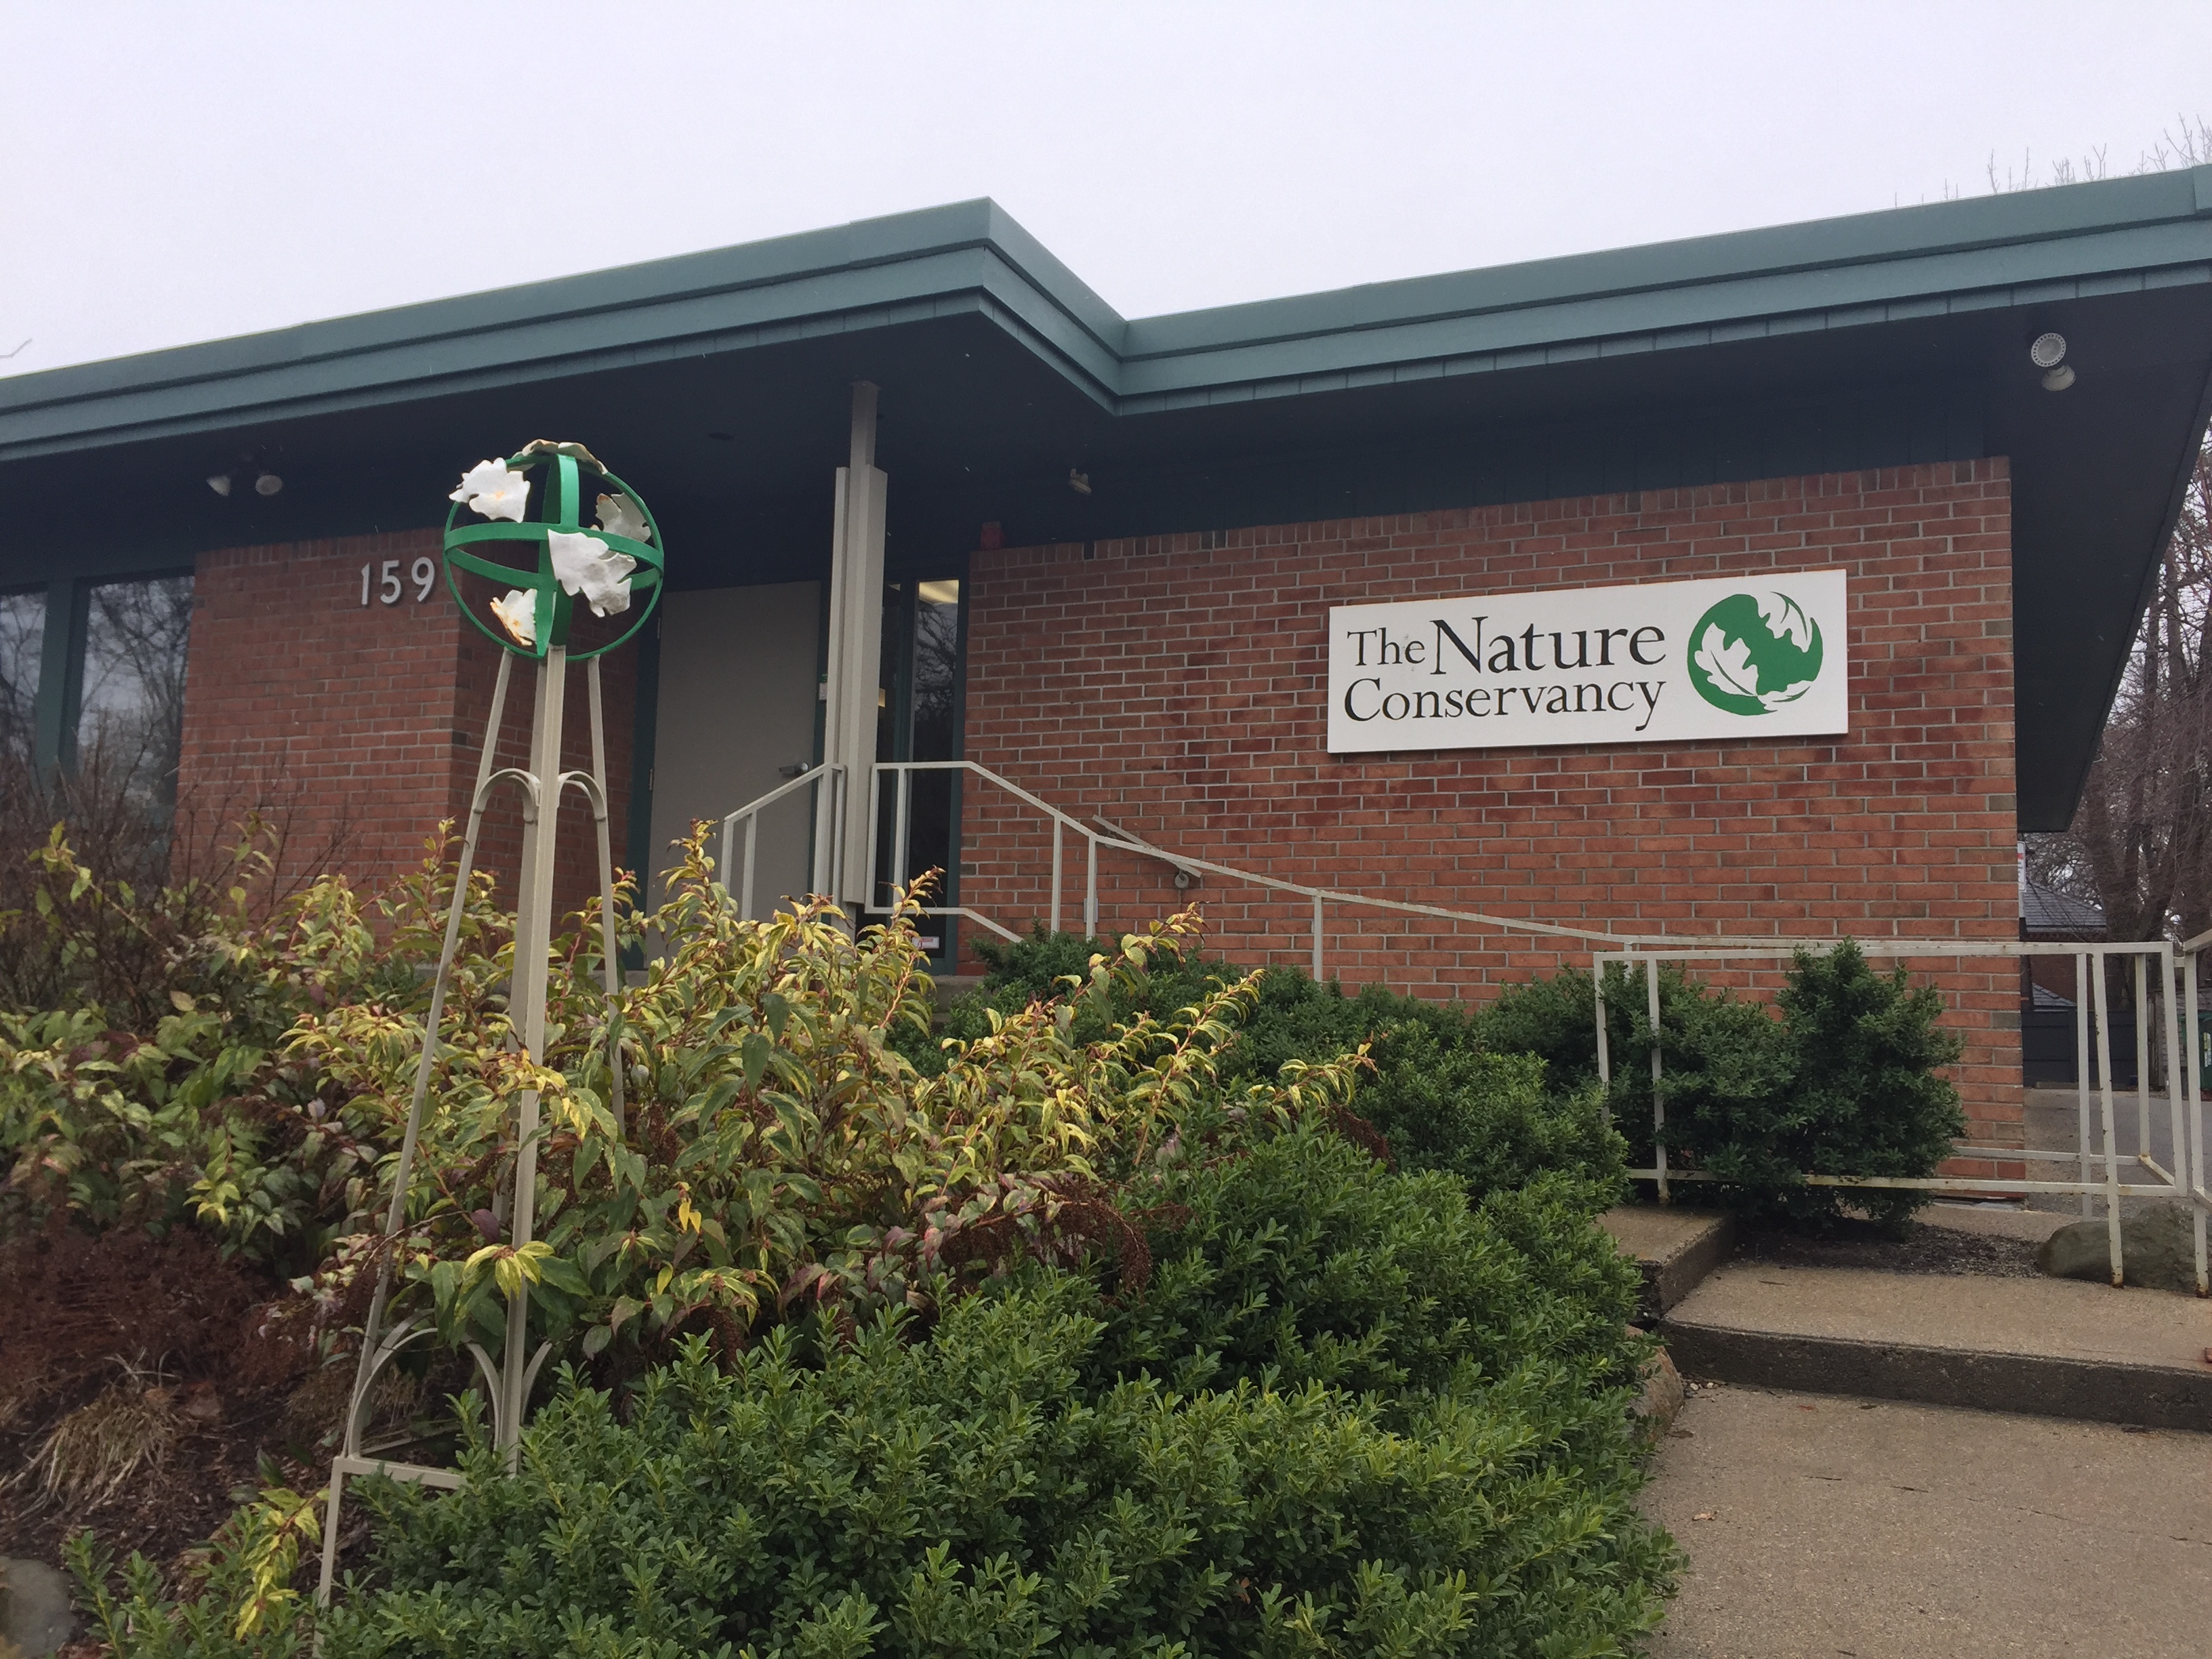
column 2180, row 1027
column 748, row 815
column 2180, row 1033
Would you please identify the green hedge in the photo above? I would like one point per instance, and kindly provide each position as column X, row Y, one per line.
column 1446, row 1092
column 1842, row 1075
column 1348, row 1413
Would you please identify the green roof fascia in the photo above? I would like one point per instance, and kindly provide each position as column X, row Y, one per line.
column 2024, row 247
column 2004, row 250
column 1965, row 226
column 876, row 274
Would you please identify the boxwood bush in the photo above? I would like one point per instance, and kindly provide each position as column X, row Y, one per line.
column 1842, row 1075
column 1348, row 1415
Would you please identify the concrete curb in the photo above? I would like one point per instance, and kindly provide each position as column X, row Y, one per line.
column 1673, row 1249
column 2151, row 1396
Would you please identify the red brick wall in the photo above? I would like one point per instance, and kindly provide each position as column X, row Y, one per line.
column 1175, row 685
column 357, row 728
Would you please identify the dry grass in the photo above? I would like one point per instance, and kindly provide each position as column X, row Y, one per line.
column 96, row 1448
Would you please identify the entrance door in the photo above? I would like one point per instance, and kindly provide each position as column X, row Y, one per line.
column 739, row 669
column 923, row 648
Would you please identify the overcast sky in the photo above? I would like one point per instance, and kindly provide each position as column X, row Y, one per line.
column 185, row 171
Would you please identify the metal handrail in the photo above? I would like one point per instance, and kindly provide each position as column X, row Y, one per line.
column 2177, row 968
column 750, row 812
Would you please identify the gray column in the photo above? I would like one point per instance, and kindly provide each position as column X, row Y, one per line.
column 844, row 862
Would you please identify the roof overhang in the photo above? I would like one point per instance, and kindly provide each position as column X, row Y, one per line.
column 1881, row 339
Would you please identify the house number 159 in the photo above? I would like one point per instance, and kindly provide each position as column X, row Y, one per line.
column 423, row 572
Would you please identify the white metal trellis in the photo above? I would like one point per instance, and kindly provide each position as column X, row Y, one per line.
column 508, row 1384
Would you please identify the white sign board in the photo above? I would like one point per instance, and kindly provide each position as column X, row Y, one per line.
column 1737, row 659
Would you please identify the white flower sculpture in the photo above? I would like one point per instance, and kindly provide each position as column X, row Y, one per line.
column 518, row 615
column 588, row 568
column 621, row 516
column 491, row 489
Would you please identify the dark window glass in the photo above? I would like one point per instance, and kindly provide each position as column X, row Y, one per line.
column 936, row 664
column 933, row 736
column 23, row 638
column 921, row 692
column 133, row 721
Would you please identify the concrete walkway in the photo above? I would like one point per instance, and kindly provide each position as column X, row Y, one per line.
column 2053, row 1124
column 1819, row 1525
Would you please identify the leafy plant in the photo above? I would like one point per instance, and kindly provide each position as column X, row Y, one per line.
column 1847, row 1080
column 1867, row 1095
column 1079, row 1332
column 1347, row 1414
column 240, row 1603
column 180, row 1106
column 1445, row 1091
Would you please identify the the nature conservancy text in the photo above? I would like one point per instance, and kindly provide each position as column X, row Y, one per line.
column 1759, row 657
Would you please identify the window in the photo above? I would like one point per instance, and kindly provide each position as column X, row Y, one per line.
column 22, row 633
column 131, row 723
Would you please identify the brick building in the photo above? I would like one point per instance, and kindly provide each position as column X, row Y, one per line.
column 1119, row 564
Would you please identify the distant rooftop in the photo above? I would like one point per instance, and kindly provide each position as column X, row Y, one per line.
column 2047, row 911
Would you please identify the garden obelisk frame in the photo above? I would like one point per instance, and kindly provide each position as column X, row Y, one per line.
column 612, row 566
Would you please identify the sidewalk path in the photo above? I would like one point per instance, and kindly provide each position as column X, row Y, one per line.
column 1881, row 1530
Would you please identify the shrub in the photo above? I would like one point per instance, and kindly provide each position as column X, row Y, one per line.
column 176, row 1104
column 779, row 1152
column 1347, row 1412
column 1434, row 1094
column 243, row 1604
column 1298, row 1259
column 1489, row 1118
column 1072, row 1344
column 1865, row 1094
column 1846, row 1081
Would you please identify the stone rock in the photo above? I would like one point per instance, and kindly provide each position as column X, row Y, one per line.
column 1663, row 1393
column 35, row 1608
column 2158, row 1249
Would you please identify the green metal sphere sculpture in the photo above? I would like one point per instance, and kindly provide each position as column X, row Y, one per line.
column 613, row 565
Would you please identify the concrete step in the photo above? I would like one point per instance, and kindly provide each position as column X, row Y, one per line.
column 1673, row 1249
column 2054, row 1348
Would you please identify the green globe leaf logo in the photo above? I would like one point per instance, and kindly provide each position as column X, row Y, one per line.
column 1752, row 653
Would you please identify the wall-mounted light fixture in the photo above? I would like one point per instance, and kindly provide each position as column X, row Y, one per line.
column 252, row 464
column 1078, row 482
column 2048, row 352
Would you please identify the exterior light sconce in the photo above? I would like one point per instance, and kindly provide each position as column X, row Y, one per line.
column 250, row 466
column 2049, row 354
column 1078, row 482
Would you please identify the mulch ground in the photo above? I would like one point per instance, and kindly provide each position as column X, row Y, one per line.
column 1923, row 1249
column 171, row 1324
